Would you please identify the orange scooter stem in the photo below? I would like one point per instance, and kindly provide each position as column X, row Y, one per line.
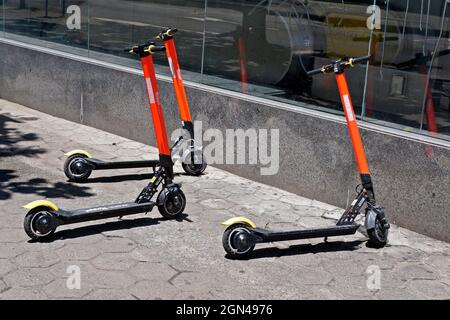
column 193, row 161
column 155, row 105
column 178, row 85
column 355, row 136
column 154, row 101
column 338, row 68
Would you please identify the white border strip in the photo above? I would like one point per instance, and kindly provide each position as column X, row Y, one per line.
column 264, row 101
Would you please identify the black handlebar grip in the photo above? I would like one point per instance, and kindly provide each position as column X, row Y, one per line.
column 314, row 72
column 361, row 59
column 130, row 50
column 154, row 48
column 325, row 69
column 167, row 34
column 172, row 30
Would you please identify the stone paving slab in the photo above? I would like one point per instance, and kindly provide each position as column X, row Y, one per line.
column 146, row 257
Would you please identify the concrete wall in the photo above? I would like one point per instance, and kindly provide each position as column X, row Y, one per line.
column 316, row 159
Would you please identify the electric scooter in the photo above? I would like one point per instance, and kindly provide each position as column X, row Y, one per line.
column 80, row 163
column 193, row 161
column 44, row 216
column 241, row 234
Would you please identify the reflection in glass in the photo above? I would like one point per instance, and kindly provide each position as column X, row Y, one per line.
column 410, row 73
column 2, row 17
column 272, row 44
column 48, row 20
column 265, row 47
column 116, row 24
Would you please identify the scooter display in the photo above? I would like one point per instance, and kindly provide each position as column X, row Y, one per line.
column 193, row 161
column 44, row 216
column 80, row 163
column 241, row 234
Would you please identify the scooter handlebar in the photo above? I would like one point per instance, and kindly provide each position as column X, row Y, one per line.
column 167, row 34
column 339, row 65
column 153, row 49
column 130, row 50
column 149, row 47
column 360, row 60
column 324, row 69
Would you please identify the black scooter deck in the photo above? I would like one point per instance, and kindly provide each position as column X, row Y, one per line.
column 106, row 165
column 275, row 236
column 103, row 212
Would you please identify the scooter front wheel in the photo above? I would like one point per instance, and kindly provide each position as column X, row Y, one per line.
column 237, row 241
column 199, row 163
column 76, row 167
column 171, row 202
column 378, row 236
column 39, row 223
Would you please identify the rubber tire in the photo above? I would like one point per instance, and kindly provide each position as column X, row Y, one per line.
column 195, row 169
column 27, row 224
column 162, row 206
column 70, row 175
column 225, row 243
column 377, row 240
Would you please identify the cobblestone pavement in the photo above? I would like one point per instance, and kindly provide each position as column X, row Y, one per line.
column 145, row 257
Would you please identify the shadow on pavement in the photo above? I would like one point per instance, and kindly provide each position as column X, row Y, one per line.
column 40, row 187
column 9, row 137
column 306, row 249
column 108, row 226
column 5, row 176
column 121, row 178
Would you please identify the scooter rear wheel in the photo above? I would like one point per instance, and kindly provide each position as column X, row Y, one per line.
column 378, row 236
column 171, row 202
column 73, row 170
column 38, row 223
column 230, row 239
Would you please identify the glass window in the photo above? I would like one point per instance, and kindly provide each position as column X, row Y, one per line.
column 2, row 17
column 48, row 22
column 117, row 24
column 407, row 82
column 265, row 48
column 268, row 46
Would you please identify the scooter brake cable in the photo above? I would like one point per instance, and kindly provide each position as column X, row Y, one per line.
column 383, row 50
column 421, row 16
column 426, row 28
column 405, row 19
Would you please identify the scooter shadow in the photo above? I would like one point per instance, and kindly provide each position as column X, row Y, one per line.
column 108, row 226
column 121, row 178
column 302, row 249
column 116, row 179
